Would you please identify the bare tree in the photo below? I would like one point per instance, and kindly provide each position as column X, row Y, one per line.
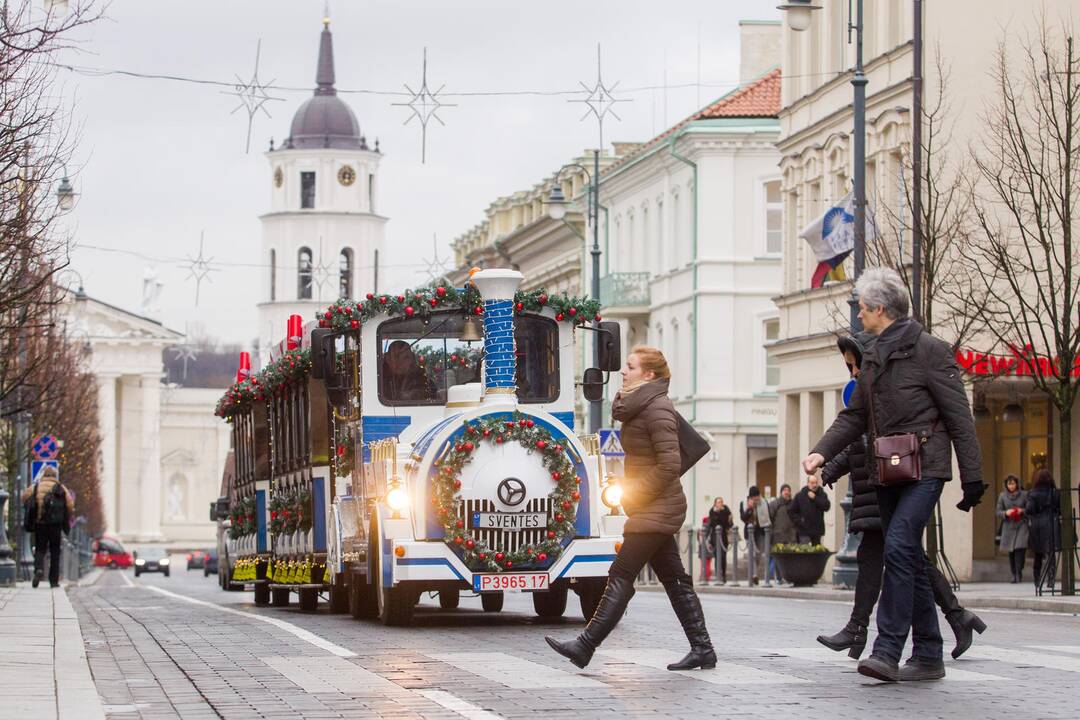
column 1024, row 197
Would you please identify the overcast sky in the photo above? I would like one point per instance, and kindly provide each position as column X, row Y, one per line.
column 161, row 162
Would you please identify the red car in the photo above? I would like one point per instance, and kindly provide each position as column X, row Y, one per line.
column 108, row 552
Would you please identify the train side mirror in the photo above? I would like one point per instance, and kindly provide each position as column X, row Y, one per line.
column 219, row 510
column 213, row 512
column 592, row 384
column 609, row 339
column 324, row 356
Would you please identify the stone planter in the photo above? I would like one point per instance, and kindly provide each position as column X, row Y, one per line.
column 802, row 569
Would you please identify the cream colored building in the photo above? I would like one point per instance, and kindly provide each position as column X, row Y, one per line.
column 816, row 162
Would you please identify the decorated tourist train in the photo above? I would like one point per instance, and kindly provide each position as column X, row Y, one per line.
column 424, row 443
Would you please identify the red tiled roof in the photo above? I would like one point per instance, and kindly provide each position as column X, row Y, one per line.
column 758, row 99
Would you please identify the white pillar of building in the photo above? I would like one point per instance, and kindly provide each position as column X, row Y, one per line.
column 107, row 427
column 150, row 473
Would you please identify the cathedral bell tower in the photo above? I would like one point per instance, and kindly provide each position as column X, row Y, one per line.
column 323, row 231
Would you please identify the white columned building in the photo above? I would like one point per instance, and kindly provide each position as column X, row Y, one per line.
column 322, row 237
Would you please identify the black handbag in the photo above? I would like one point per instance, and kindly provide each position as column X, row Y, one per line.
column 30, row 511
column 692, row 447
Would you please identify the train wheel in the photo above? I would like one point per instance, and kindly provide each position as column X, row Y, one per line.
column 492, row 602
column 362, row 602
column 262, row 594
column 395, row 603
column 339, row 595
column 309, row 599
column 449, row 599
column 589, row 592
column 279, row 597
column 550, row 604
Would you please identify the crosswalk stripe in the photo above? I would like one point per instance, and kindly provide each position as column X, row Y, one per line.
column 726, row 673
column 824, row 655
column 1023, row 657
column 322, row 674
column 456, row 704
column 1072, row 649
column 513, row 672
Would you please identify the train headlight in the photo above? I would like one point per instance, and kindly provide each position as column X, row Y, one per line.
column 612, row 495
column 397, row 498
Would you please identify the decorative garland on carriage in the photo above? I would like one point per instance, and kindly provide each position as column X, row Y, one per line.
column 242, row 518
column 280, row 374
column 499, row 429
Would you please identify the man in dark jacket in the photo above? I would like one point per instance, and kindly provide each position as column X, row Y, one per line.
column 808, row 510
column 909, row 383
column 53, row 508
column 865, row 520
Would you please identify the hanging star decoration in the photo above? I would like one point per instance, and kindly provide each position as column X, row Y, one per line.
column 425, row 105
column 199, row 268
column 436, row 268
column 322, row 272
column 253, row 96
column 184, row 353
column 600, row 99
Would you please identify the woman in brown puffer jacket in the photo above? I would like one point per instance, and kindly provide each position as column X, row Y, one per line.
column 656, row 508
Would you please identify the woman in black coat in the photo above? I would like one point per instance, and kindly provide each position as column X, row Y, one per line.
column 866, row 519
column 719, row 529
column 1043, row 510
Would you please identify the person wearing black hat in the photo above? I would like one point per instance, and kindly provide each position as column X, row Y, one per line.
column 866, row 520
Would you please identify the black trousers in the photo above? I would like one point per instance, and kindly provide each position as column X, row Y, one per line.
column 871, row 559
column 1017, row 558
column 659, row 551
column 804, row 538
column 47, row 540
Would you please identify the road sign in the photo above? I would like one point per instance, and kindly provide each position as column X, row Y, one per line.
column 38, row 466
column 45, row 447
column 611, row 443
column 849, row 390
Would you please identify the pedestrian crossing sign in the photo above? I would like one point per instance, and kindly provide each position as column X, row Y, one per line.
column 38, row 466
column 611, row 443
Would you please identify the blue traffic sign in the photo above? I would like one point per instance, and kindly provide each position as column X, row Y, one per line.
column 849, row 390
column 45, row 447
column 38, row 466
column 611, row 443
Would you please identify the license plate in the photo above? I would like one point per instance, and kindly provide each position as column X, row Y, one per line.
column 509, row 582
column 509, row 521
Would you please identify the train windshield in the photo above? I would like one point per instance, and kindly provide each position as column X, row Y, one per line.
column 419, row 360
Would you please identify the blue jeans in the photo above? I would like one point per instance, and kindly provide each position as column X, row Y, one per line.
column 907, row 600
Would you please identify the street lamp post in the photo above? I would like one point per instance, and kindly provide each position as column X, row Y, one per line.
column 846, row 569
column 557, row 203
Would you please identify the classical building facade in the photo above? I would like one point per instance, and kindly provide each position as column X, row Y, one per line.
column 322, row 237
column 692, row 259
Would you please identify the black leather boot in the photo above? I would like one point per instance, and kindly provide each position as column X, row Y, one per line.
column 612, row 605
column 852, row 638
column 880, row 667
column 687, row 608
column 962, row 623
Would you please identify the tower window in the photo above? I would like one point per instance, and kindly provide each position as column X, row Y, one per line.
column 371, row 192
column 303, row 276
column 273, row 275
column 345, row 269
column 307, row 190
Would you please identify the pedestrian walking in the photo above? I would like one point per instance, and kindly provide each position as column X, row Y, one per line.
column 1043, row 510
column 1013, row 533
column 757, row 530
column 48, row 510
column 720, row 524
column 656, row 509
column 807, row 511
column 865, row 520
column 910, row 400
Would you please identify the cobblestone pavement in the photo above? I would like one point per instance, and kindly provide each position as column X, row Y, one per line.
column 187, row 649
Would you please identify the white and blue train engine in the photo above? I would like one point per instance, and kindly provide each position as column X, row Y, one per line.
column 497, row 495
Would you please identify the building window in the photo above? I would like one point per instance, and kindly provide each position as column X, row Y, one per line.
column 772, row 370
column 676, row 232
column 345, row 268
column 661, row 250
column 642, row 260
column 273, row 275
column 371, row 192
column 307, row 190
column 303, row 274
column 774, row 218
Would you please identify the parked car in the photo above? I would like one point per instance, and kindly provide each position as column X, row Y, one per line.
column 152, row 559
column 211, row 564
column 196, row 560
column 108, row 552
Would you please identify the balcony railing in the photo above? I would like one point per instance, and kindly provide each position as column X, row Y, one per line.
column 624, row 289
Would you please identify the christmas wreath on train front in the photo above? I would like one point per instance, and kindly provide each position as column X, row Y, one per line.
column 499, row 429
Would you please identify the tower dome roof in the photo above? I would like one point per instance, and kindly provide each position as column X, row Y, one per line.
column 324, row 120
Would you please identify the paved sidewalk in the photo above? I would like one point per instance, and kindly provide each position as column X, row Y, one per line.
column 995, row 596
column 42, row 659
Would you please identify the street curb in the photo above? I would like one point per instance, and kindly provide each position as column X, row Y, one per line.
column 835, row 595
column 90, row 578
column 76, row 693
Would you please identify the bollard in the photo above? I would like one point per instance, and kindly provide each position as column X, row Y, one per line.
column 734, row 557
column 7, row 565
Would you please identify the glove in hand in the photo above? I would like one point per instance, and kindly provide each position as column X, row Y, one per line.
column 973, row 493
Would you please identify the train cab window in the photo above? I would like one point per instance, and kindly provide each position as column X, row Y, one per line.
column 419, row 360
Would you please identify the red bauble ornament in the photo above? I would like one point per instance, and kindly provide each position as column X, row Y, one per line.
column 419, row 296
column 433, row 302
column 499, row 557
column 354, row 324
column 557, row 448
column 556, row 475
column 529, row 552
column 522, row 423
column 340, row 450
column 542, row 557
column 478, row 310
column 370, row 296
column 519, row 307
column 542, row 299
column 382, row 300
column 482, row 556
column 401, row 298
column 577, row 480
column 440, row 291
column 323, row 324
column 470, row 544
column 457, row 484
column 551, row 535
column 499, row 439
column 529, row 423
column 558, row 517
column 509, row 424
column 566, row 505
column 459, row 540
column 572, row 311
column 559, row 316
column 598, row 318
column 348, row 310
column 468, row 447
column 409, row 310
column 459, row 524
column 509, row 564
column 487, row 433
column 576, row 495
column 328, row 315
column 540, row 444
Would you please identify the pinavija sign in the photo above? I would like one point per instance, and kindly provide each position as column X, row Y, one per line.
column 1020, row 363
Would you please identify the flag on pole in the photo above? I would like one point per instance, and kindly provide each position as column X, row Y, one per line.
column 831, row 238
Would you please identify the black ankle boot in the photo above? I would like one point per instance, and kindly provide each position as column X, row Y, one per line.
column 852, row 638
column 612, row 605
column 687, row 607
column 962, row 623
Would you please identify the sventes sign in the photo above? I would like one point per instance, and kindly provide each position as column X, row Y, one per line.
column 1020, row 363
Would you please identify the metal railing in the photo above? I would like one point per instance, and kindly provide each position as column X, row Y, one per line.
column 625, row 289
column 717, row 560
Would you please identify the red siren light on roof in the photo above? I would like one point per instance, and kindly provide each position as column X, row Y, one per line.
column 294, row 332
column 244, row 371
